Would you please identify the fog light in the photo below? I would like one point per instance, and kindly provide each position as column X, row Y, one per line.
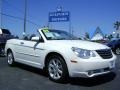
column 90, row 72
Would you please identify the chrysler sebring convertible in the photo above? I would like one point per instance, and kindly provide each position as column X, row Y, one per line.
column 61, row 54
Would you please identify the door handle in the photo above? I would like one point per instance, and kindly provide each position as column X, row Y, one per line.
column 21, row 42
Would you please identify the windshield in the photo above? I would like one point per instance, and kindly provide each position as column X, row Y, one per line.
column 5, row 31
column 58, row 35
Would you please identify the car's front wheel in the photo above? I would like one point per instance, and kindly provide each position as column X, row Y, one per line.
column 57, row 69
column 10, row 58
column 117, row 51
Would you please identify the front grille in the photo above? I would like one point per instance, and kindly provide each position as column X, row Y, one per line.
column 105, row 53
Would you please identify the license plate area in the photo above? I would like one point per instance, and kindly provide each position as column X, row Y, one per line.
column 111, row 64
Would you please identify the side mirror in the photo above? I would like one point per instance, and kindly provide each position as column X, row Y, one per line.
column 35, row 38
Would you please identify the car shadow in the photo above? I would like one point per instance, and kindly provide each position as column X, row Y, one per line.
column 87, row 82
column 31, row 69
column 1, row 56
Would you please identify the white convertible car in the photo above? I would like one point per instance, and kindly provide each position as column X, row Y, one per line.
column 61, row 55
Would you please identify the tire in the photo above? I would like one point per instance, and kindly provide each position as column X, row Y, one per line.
column 2, row 52
column 10, row 58
column 117, row 51
column 57, row 69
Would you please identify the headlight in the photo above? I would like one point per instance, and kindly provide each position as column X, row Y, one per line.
column 82, row 53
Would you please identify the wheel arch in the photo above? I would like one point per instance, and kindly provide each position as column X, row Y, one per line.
column 58, row 54
column 53, row 53
column 8, row 50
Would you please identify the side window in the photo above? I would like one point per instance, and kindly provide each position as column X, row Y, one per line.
column 28, row 36
column 36, row 37
column 25, row 37
column 5, row 31
column 33, row 35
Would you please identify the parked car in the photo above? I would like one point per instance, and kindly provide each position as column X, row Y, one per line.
column 115, row 46
column 61, row 55
column 4, row 36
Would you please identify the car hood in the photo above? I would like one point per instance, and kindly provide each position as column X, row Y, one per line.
column 78, row 43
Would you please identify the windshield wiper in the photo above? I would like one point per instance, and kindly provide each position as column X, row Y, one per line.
column 60, row 39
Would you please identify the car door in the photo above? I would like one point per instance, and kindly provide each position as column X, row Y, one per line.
column 119, row 43
column 30, row 52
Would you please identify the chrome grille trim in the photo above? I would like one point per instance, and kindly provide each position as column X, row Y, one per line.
column 105, row 53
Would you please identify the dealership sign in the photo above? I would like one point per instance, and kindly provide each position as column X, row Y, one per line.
column 59, row 16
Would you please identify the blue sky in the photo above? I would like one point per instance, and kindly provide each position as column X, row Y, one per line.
column 86, row 15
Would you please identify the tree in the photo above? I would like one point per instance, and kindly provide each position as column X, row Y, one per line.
column 117, row 25
column 110, row 36
column 105, row 36
column 87, row 36
column 117, row 36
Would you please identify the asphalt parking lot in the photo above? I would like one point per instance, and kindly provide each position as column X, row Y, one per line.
column 22, row 77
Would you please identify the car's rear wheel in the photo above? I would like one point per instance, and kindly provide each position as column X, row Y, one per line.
column 57, row 69
column 10, row 58
column 117, row 51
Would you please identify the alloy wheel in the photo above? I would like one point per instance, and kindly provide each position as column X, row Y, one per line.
column 55, row 69
column 118, row 51
column 10, row 58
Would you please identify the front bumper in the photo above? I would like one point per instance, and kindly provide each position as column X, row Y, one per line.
column 2, row 46
column 2, row 51
column 91, row 67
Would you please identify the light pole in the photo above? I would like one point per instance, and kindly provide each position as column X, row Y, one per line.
column 25, row 16
column 1, row 13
